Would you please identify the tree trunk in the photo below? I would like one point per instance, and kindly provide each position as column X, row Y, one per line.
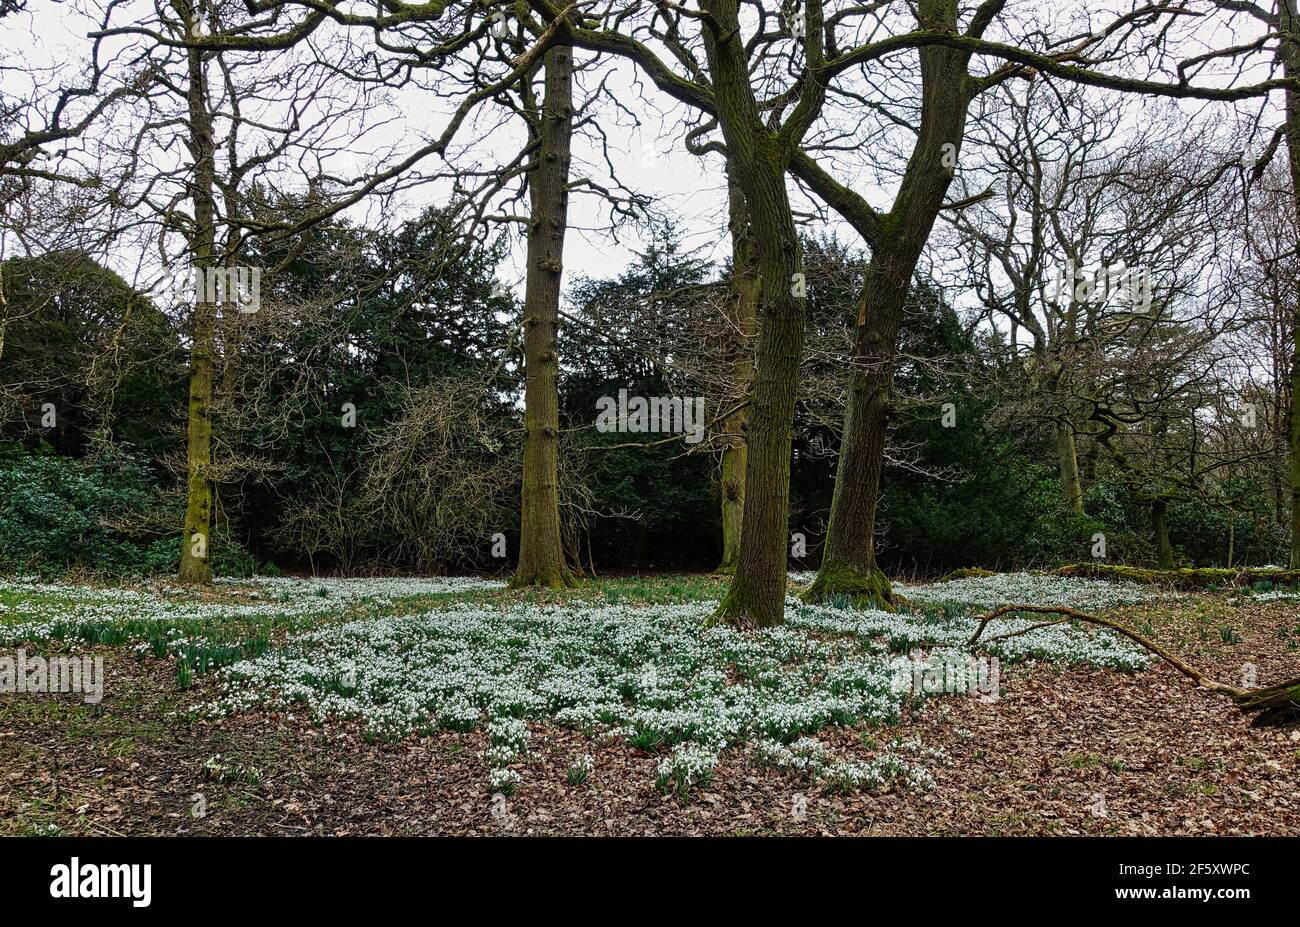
column 1164, row 550
column 1289, row 52
column 1277, row 706
column 1068, row 461
column 195, row 564
column 848, row 566
column 1294, row 445
column 756, row 597
column 848, row 563
column 541, row 553
column 742, row 317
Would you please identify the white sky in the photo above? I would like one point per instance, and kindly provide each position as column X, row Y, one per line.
column 55, row 33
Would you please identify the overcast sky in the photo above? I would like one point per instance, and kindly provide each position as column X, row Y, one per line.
column 686, row 186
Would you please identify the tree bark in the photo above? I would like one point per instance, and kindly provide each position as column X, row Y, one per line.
column 1068, row 462
column 848, row 566
column 1289, row 53
column 848, row 562
column 195, row 565
column 541, row 552
column 741, row 321
column 1160, row 526
column 756, row 596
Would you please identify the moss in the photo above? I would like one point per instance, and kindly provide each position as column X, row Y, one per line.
column 742, row 609
column 968, row 573
column 866, row 590
column 565, row 580
column 1183, row 578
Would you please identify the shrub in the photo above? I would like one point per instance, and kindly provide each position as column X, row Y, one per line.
column 105, row 515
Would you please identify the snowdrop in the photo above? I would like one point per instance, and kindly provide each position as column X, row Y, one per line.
column 652, row 676
column 49, row 611
column 1031, row 589
column 688, row 766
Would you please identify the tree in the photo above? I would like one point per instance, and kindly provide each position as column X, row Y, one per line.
column 541, row 552
column 96, row 350
column 741, row 320
column 898, row 237
column 1080, row 217
column 761, row 150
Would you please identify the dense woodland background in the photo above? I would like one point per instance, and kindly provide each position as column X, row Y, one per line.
column 1020, row 428
column 431, row 470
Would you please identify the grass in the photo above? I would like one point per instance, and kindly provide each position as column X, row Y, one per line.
column 660, row 687
column 621, row 657
column 627, row 657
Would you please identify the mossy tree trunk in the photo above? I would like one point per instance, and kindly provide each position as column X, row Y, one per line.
column 1160, row 527
column 541, row 550
column 1288, row 55
column 848, row 566
column 742, row 317
column 848, row 562
column 1294, row 442
column 195, row 565
column 756, row 596
column 1068, row 464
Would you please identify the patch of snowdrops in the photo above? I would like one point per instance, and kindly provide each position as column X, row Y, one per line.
column 1031, row 589
column 951, row 628
column 653, row 677
column 1276, row 595
column 48, row 611
column 808, row 758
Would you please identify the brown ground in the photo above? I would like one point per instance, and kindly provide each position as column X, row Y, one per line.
column 1062, row 752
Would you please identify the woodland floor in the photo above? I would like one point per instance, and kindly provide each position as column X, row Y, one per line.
column 1064, row 750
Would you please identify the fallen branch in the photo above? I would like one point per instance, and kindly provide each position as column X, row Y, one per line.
column 1275, row 705
column 1182, row 578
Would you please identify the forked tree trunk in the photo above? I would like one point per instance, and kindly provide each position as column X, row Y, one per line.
column 195, row 564
column 848, row 562
column 756, row 597
column 741, row 320
column 541, row 551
